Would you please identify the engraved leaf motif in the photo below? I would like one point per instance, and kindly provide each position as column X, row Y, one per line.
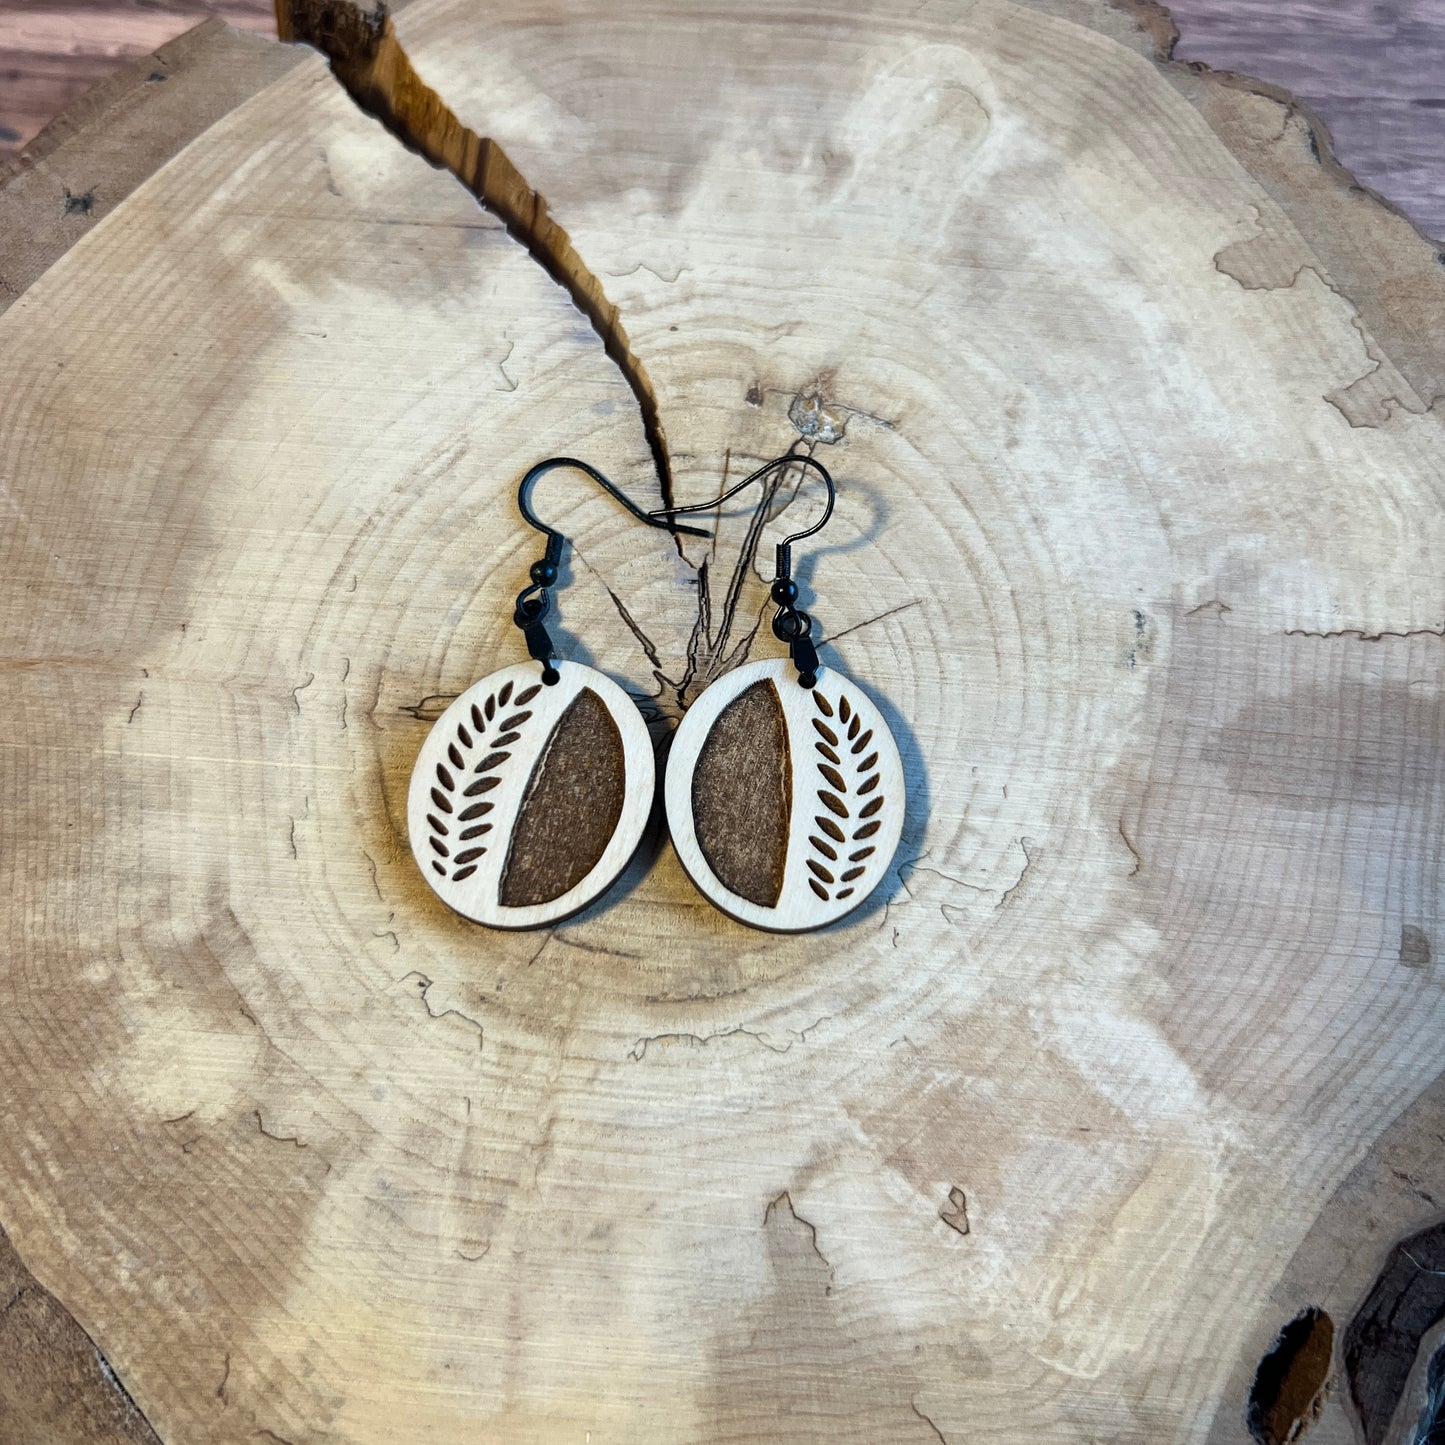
column 848, row 772
column 456, row 824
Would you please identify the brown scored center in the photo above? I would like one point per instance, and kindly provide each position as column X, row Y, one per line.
column 742, row 795
column 571, row 807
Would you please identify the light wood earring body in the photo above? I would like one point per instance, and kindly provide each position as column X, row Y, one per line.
column 527, row 800
column 785, row 803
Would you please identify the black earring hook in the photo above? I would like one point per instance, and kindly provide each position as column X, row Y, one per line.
column 554, row 537
column 790, row 623
column 792, row 458
column 534, row 601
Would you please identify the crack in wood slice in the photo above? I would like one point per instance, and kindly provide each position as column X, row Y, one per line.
column 367, row 58
column 742, row 792
column 1292, row 1380
column 571, row 807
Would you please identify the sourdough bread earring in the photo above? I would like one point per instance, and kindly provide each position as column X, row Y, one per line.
column 784, row 787
column 532, row 791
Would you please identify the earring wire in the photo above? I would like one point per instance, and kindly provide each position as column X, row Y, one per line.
column 790, row 623
column 534, row 601
column 792, row 458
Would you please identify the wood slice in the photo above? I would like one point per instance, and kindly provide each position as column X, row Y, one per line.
column 1136, row 545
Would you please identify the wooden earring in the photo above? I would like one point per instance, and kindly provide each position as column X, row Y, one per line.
column 785, row 791
column 532, row 790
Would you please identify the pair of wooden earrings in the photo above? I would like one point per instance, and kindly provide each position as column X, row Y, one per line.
column 784, row 789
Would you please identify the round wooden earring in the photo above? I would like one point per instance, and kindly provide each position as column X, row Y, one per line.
column 533, row 789
column 785, row 791
column 785, row 803
column 528, row 800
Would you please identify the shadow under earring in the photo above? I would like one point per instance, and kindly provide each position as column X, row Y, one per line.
column 784, row 788
column 533, row 789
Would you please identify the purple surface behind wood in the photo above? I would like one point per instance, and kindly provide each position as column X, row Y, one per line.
column 53, row 51
column 1374, row 73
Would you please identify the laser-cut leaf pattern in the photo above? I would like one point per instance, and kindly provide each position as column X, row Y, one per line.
column 848, row 768
column 456, row 822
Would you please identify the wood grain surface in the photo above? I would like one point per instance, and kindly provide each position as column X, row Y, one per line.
column 1133, row 1062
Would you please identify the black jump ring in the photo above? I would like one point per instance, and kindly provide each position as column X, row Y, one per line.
column 791, row 624
column 533, row 604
